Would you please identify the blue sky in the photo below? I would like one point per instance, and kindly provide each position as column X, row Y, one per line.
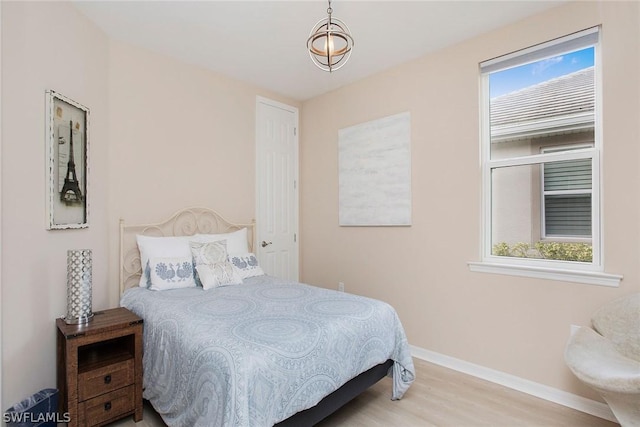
column 512, row 79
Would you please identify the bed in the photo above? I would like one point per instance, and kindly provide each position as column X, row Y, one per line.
column 261, row 353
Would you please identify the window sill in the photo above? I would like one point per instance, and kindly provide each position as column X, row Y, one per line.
column 577, row 276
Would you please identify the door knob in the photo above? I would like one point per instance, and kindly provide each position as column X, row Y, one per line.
column 264, row 244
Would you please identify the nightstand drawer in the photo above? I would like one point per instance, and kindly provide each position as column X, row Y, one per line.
column 103, row 380
column 108, row 406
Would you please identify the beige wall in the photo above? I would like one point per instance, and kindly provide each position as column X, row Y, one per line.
column 511, row 324
column 180, row 136
column 45, row 46
column 163, row 135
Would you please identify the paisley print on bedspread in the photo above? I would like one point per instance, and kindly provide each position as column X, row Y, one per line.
column 255, row 354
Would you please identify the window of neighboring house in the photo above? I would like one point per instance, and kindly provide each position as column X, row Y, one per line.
column 566, row 198
column 541, row 124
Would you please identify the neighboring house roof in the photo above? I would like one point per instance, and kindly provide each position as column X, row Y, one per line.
column 560, row 105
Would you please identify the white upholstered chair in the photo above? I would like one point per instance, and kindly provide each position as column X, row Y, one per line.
column 607, row 357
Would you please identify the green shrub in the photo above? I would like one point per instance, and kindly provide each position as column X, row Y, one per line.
column 501, row 249
column 561, row 251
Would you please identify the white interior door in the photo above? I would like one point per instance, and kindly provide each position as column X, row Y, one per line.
column 277, row 188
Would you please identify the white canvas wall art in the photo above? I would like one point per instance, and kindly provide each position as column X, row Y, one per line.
column 374, row 162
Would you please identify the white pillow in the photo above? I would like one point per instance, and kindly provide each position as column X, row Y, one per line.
column 247, row 265
column 236, row 241
column 178, row 247
column 212, row 265
column 171, row 273
column 208, row 252
column 160, row 247
column 218, row 274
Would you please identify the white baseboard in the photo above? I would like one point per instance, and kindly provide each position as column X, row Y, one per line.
column 551, row 394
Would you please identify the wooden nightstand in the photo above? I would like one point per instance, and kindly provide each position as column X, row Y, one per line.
column 100, row 368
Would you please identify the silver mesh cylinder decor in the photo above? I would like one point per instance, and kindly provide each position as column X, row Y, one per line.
column 78, row 286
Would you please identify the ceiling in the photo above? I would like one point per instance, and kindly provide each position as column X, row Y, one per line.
column 264, row 42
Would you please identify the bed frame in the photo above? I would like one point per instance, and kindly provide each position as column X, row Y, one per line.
column 185, row 222
column 190, row 221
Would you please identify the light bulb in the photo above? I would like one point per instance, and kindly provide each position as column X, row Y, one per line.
column 328, row 45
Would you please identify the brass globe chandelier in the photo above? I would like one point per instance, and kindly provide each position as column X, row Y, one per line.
column 330, row 43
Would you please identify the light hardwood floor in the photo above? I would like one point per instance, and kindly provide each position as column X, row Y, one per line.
column 440, row 397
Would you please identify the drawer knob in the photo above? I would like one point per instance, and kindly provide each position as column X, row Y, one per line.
column 107, row 379
column 107, row 406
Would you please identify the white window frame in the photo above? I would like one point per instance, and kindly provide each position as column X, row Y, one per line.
column 581, row 272
column 543, row 193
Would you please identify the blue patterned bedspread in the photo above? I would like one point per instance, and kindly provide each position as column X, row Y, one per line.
column 257, row 353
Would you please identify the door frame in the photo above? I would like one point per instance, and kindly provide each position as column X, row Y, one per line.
column 296, row 197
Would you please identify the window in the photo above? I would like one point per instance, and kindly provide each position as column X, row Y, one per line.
column 566, row 201
column 541, row 159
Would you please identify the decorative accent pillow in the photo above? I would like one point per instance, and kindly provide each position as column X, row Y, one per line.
column 247, row 265
column 218, row 274
column 160, row 247
column 212, row 265
column 236, row 241
column 171, row 273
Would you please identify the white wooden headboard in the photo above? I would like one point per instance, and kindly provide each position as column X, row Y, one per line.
column 185, row 222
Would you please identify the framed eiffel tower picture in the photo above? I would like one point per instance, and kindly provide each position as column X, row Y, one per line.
column 67, row 163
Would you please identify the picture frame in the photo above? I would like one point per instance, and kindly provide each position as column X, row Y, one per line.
column 374, row 173
column 67, row 137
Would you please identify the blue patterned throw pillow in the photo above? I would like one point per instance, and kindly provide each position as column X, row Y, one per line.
column 170, row 273
column 247, row 265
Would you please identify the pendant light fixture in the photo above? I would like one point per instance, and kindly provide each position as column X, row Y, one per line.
column 330, row 43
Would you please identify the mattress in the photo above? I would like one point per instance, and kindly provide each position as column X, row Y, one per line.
column 257, row 353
